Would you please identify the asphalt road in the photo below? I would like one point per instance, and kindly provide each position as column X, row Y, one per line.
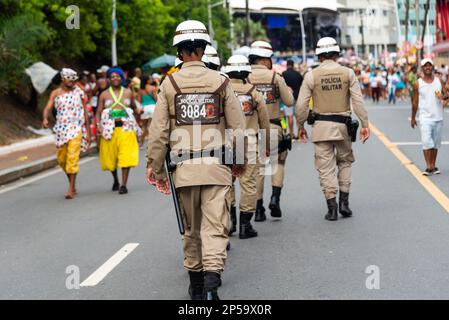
column 398, row 227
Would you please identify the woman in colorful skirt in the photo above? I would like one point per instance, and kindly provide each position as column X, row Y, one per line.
column 119, row 130
column 70, row 129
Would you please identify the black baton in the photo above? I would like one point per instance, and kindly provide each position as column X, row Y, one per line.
column 171, row 167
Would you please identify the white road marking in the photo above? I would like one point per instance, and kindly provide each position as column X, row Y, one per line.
column 39, row 177
column 414, row 143
column 109, row 265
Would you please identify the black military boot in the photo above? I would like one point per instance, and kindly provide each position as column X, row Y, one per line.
column 211, row 283
column 343, row 205
column 246, row 229
column 233, row 214
column 196, row 286
column 332, row 213
column 274, row 203
column 260, row 212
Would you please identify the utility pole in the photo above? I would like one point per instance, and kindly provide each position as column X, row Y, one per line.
column 231, row 25
column 426, row 12
column 407, row 7
column 418, row 22
column 361, row 12
column 209, row 16
column 247, row 22
column 114, row 33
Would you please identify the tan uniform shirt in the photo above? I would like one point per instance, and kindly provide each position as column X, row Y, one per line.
column 327, row 130
column 261, row 75
column 194, row 77
column 259, row 119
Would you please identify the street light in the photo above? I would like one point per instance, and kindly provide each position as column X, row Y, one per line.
column 209, row 18
column 303, row 34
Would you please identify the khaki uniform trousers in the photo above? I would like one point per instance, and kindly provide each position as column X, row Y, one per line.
column 206, row 221
column 277, row 167
column 328, row 156
column 248, row 189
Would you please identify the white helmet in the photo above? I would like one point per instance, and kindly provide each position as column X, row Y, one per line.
column 178, row 62
column 261, row 49
column 190, row 30
column 238, row 63
column 326, row 45
column 211, row 56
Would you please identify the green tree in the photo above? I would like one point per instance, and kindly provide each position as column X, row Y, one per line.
column 182, row 10
column 21, row 39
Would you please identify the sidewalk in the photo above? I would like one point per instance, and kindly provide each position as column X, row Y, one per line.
column 33, row 156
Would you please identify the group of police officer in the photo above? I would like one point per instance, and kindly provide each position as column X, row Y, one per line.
column 197, row 105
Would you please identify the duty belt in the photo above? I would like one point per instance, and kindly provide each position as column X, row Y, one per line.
column 276, row 122
column 225, row 156
column 333, row 118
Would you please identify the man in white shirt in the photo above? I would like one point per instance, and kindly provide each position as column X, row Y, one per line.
column 428, row 94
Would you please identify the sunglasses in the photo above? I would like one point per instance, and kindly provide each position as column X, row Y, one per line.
column 70, row 78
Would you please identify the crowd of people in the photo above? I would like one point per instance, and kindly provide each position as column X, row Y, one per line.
column 250, row 99
column 392, row 83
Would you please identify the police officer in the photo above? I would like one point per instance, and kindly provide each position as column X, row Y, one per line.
column 334, row 89
column 256, row 114
column 211, row 58
column 273, row 88
column 193, row 102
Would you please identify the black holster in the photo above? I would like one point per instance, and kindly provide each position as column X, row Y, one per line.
column 285, row 143
column 311, row 117
column 353, row 126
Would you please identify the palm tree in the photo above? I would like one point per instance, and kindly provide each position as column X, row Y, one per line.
column 256, row 31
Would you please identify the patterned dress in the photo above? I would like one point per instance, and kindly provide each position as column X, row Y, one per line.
column 70, row 121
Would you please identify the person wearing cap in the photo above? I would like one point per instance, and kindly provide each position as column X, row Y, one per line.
column 71, row 129
column 428, row 96
column 195, row 105
column 256, row 115
column 334, row 89
column 211, row 59
column 117, row 125
column 273, row 88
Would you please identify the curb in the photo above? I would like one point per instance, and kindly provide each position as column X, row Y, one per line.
column 27, row 144
column 16, row 173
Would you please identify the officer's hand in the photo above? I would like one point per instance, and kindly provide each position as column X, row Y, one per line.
column 238, row 170
column 364, row 134
column 303, row 135
column 150, row 177
column 45, row 123
column 162, row 186
column 413, row 122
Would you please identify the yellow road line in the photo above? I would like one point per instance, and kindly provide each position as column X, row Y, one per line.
column 434, row 191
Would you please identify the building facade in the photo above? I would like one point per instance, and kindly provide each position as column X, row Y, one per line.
column 370, row 27
column 416, row 26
